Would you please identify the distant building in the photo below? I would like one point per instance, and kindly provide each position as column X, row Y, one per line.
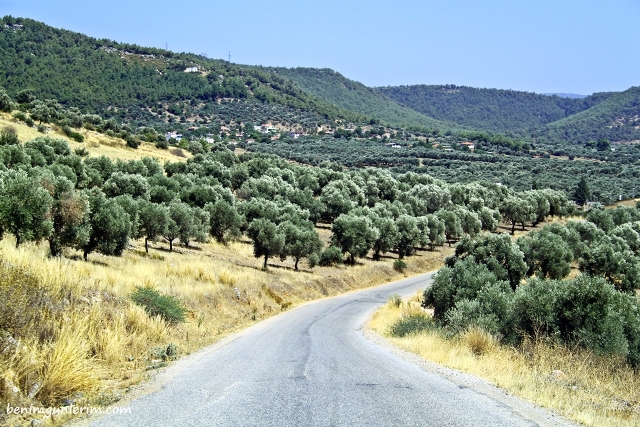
column 173, row 135
column 295, row 135
column 469, row 145
column 195, row 69
column 209, row 138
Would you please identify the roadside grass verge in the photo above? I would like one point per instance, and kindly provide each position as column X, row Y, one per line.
column 589, row 389
column 73, row 332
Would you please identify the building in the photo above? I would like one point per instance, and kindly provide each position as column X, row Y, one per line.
column 470, row 145
column 195, row 69
column 173, row 135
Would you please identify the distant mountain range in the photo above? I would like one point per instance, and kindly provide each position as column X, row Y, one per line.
column 99, row 75
column 566, row 95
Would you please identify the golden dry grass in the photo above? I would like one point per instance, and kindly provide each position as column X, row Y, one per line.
column 100, row 343
column 592, row 390
column 95, row 143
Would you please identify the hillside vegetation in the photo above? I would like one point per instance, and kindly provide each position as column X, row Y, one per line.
column 354, row 96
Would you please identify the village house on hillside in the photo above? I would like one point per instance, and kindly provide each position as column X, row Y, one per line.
column 173, row 135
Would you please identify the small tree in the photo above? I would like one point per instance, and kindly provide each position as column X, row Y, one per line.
column 154, row 220
column 268, row 240
column 582, row 193
column 110, row 225
column 225, row 221
column 354, row 234
column 24, row 207
column 299, row 242
column 68, row 212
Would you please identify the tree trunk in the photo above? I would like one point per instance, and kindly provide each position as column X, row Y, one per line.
column 146, row 246
column 85, row 254
column 296, row 266
column 17, row 241
column 266, row 257
column 170, row 245
column 513, row 228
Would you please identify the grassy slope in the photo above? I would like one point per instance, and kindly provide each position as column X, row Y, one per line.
column 96, row 144
column 591, row 390
column 354, row 96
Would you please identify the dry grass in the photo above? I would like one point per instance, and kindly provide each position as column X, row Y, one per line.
column 92, row 342
column 95, row 143
column 592, row 390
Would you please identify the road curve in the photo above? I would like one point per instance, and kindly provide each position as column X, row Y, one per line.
column 312, row 366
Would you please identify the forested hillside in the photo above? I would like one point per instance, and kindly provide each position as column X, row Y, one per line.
column 95, row 75
column 610, row 115
column 616, row 118
column 489, row 109
column 354, row 96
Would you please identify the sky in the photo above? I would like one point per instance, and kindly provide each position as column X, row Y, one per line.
column 559, row 46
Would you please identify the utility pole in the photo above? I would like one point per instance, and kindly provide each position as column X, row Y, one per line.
column 229, row 56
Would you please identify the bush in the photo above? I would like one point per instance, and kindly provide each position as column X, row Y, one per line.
column 587, row 311
column 411, row 325
column 399, row 265
column 132, row 142
column 314, row 259
column 331, row 256
column 162, row 144
column 156, row 304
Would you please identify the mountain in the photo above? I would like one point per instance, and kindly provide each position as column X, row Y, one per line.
column 617, row 118
column 100, row 75
column 494, row 110
column 566, row 95
column 333, row 87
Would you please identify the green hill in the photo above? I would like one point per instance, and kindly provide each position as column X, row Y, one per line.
column 333, row 87
column 616, row 118
column 99, row 74
column 489, row 109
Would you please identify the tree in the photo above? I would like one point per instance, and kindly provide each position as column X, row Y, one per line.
column 546, row 254
column 224, row 222
column 387, row 236
column 516, row 210
column 110, row 225
column 354, row 234
column 268, row 240
column 120, row 183
column 408, row 235
column 497, row 252
column 24, row 207
column 452, row 224
column 582, row 193
column 436, row 231
column 6, row 105
column 68, row 211
column 154, row 220
column 611, row 258
column 299, row 242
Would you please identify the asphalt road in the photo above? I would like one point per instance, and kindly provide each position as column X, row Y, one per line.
column 312, row 366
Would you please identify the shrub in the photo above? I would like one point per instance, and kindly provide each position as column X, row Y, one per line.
column 399, row 265
column 331, row 256
column 411, row 325
column 162, row 144
column 156, row 304
column 132, row 142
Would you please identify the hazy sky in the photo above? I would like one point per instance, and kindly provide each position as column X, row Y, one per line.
column 577, row 46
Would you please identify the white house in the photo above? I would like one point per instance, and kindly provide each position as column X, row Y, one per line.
column 173, row 134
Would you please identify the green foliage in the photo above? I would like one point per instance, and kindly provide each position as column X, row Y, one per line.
column 110, row 225
column 267, row 238
column 354, row 234
column 331, row 256
column 399, row 265
column 24, row 207
column 408, row 325
column 156, row 304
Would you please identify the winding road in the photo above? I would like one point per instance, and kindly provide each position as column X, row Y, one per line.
column 313, row 366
